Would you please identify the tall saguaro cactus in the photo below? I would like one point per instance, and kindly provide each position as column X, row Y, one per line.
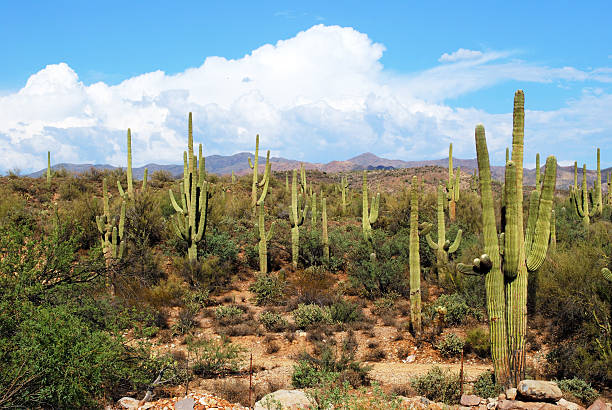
column 111, row 229
column 190, row 220
column 324, row 236
column 415, row 261
column 452, row 186
column 368, row 216
column 344, row 190
column 598, row 196
column 296, row 217
column 443, row 247
column 129, row 195
column 255, row 167
column 264, row 237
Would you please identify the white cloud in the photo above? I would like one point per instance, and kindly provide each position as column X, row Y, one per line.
column 318, row 96
column 461, row 54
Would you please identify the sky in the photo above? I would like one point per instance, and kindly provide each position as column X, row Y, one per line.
column 318, row 80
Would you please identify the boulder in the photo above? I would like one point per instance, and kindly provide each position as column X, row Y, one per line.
column 511, row 394
column 569, row 405
column 185, row 404
column 286, row 399
column 539, row 390
column 525, row 405
column 599, row 404
column 469, row 400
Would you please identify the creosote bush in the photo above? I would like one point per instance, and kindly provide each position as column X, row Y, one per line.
column 451, row 345
column 485, row 385
column 438, row 385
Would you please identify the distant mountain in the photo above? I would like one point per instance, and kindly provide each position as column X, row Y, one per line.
column 224, row 165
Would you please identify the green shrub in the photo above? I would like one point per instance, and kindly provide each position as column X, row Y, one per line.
column 273, row 322
column 345, row 311
column 579, row 389
column 450, row 346
column 307, row 315
column 485, row 385
column 207, row 274
column 268, row 289
column 437, row 385
column 457, row 310
column 215, row 357
column 228, row 312
column 478, row 342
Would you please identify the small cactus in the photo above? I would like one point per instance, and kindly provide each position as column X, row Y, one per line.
column 113, row 245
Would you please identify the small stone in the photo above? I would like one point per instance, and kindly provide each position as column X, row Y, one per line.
column 511, row 394
column 410, row 358
column 185, row 404
column 501, row 396
column 469, row 400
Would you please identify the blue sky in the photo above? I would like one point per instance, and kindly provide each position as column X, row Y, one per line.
column 320, row 80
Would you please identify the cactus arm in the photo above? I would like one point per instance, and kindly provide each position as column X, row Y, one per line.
column 203, row 200
column 537, row 171
column 457, row 181
column 374, row 209
column 534, row 203
column 176, row 206
column 266, row 171
column 251, row 165
column 266, row 182
column 99, row 224
column 453, row 248
column 270, row 232
column 122, row 220
column 431, row 243
column 542, row 230
column 425, row 228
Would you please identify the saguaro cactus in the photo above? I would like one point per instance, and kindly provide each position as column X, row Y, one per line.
column 443, row 247
column 48, row 167
column 233, row 177
column 324, row 236
column 580, row 201
column 343, row 190
column 296, row 217
column 190, row 220
column 598, row 196
column 452, row 186
column 255, row 167
column 610, row 188
column 552, row 245
column 313, row 209
column 506, row 268
column 607, row 274
column 415, row 261
column 368, row 216
column 264, row 237
column 129, row 195
column 111, row 229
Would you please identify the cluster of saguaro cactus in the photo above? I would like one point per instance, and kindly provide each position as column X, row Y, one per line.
column 415, row 261
column 264, row 237
column 297, row 214
column 509, row 257
column 190, row 220
column 48, row 167
column 324, row 236
column 443, row 247
column 580, row 200
column 129, row 195
column 452, row 186
column 343, row 190
column 368, row 217
column 111, row 229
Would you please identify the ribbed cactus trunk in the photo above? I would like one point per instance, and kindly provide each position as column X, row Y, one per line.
column 580, row 201
column 610, row 188
column 368, row 217
column 415, row 261
column 313, row 210
column 452, row 186
column 324, row 235
column 296, row 217
column 598, row 198
column 343, row 189
column 255, row 167
column 552, row 245
column 129, row 194
column 264, row 237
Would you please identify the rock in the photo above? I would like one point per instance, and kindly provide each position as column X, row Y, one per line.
column 185, row 404
column 525, row 405
column 469, row 400
column 465, row 408
column 539, row 390
column 129, row 403
column 598, row 404
column 286, row 399
column 501, row 396
column 511, row 394
column 417, row 402
column 491, row 405
column 410, row 358
column 569, row 405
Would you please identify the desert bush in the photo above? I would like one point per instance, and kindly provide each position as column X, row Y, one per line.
column 313, row 285
column 451, row 345
column 576, row 388
column 207, row 274
column 215, row 357
column 477, row 341
column 345, row 311
column 485, row 386
column 457, row 310
column 144, row 218
column 273, row 322
column 307, row 315
column 268, row 289
column 438, row 385
column 228, row 314
column 168, row 292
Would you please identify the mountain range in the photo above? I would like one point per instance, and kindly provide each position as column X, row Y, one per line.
column 224, row 165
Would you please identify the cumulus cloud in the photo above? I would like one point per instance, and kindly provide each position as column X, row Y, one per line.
column 320, row 95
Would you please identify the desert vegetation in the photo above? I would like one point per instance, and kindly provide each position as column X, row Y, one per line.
column 305, row 279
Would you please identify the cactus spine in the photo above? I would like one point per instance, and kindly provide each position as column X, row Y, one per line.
column 112, row 230
column 580, row 200
column 343, row 190
column 415, row 261
column 129, row 195
column 264, row 237
column 368, row 217
column 296, row 217
column 190, row 220
column 324, row 236
column 48, row 167
column 443, row 247
column 452, row 186
column 507, row 291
